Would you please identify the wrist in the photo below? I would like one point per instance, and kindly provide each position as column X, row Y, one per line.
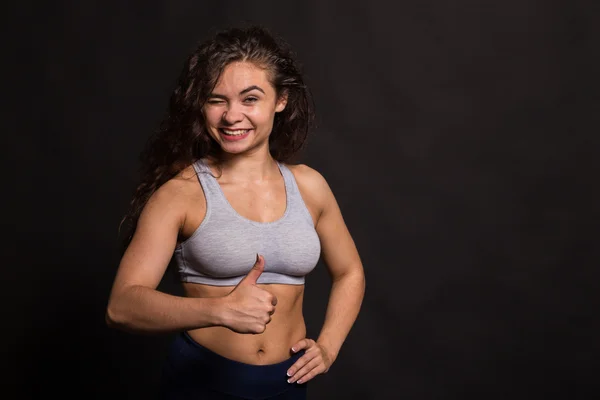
column 330, row 350
column 213, row 309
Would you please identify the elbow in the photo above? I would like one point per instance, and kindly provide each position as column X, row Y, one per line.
column 118, row 311
column 110, row 317
column 114, row 316
column 362, row 283
column 356, row 276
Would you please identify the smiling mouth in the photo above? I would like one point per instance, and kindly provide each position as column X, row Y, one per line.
column 234, row 132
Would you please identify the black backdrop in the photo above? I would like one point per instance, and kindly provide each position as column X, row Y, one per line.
column 459, row 137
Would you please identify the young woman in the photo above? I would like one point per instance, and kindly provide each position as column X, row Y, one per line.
column 243, row 228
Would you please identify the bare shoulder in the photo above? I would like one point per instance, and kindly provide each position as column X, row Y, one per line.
column 312, row 184
column 177, row 192
column 308, row 175
column 186, row 181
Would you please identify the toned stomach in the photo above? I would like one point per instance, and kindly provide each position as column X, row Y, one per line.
column 273, row 345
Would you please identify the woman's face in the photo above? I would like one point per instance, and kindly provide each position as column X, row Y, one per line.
column 240, row 110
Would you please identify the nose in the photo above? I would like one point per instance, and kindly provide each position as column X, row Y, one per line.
column 232, row 115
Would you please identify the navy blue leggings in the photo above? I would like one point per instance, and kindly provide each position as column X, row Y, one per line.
column 194, row 372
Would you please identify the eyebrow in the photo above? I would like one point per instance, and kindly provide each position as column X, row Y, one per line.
column 248, row 89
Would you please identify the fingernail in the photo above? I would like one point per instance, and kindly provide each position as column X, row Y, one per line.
column 288, row 373
column 288, row 381
column 293, row 349
column 257, row 258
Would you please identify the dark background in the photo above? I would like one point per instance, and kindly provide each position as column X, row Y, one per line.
column 459, row 137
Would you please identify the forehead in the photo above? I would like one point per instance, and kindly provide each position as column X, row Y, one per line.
column 239, row 75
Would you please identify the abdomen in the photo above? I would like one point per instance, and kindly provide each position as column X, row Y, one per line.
column 273, row 345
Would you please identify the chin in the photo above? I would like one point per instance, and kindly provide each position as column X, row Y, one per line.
column 243, row 146
column 233, row 152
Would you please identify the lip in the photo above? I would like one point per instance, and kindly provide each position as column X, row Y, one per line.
column 234, row 138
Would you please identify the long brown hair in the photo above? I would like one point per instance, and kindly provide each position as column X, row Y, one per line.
column 182, row 137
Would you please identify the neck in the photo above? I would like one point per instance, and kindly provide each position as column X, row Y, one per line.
column 255, row 167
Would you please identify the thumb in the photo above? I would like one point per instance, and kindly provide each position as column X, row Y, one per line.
column 257, row 269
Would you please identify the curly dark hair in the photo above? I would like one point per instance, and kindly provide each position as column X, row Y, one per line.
column 182, row 136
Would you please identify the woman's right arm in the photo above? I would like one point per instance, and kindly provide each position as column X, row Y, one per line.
column 134, row 303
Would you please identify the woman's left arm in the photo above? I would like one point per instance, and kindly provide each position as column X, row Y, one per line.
column 348, row 282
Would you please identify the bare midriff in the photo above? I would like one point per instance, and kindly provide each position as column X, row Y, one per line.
column 273, row 345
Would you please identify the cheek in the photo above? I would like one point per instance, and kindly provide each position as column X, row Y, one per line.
column 263, row 117
column 212, row 116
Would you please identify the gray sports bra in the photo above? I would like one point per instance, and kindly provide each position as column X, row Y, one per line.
column 223, row 249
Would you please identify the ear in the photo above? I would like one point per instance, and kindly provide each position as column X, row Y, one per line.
column 281, row 102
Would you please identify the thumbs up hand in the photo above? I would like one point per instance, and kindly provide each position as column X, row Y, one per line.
column 249, row 308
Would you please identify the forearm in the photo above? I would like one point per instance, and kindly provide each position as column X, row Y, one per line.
column 345, row 299
column 145, row 310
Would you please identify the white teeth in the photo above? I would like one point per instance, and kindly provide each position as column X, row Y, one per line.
column 236, row 132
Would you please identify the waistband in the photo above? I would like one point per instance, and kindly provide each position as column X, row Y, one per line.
column 191, row 364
